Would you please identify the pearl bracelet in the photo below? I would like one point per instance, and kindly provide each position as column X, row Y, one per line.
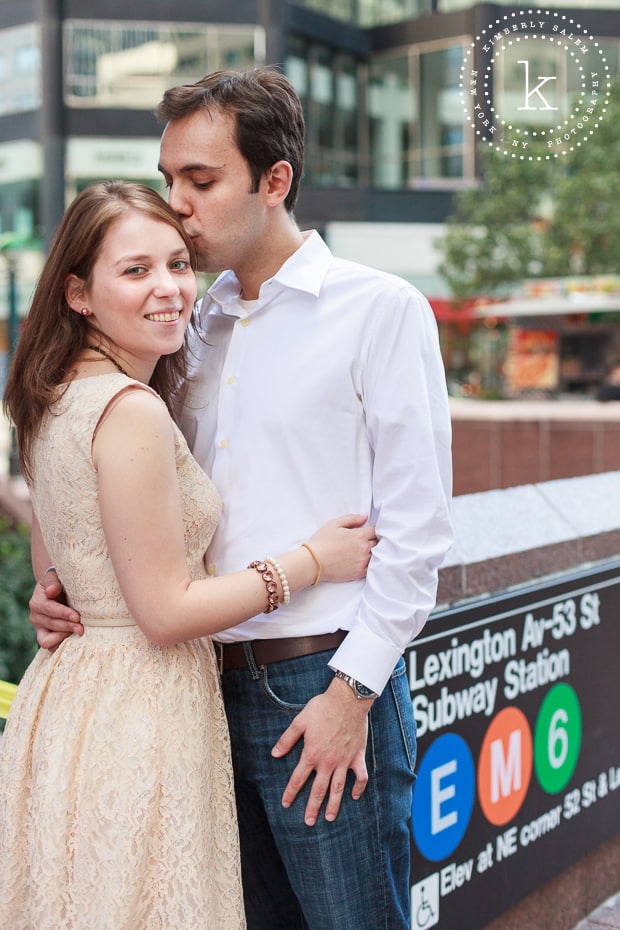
column 266, row 574
column 286, row 591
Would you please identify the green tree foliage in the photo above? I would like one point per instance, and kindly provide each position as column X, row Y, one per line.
column 535, row 216
column 493, row 239
column 17, row 638
column 584, row 235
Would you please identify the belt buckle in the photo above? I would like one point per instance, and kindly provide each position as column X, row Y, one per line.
column 219, row 655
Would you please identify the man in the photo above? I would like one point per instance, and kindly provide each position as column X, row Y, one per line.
column 318, row 389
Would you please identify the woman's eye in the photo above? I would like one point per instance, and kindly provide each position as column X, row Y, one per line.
column 135, row 270
column 180, row 264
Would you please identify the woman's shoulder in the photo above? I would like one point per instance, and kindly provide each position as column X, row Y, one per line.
column 102, row 390
column 124, row 405
column 136, row 406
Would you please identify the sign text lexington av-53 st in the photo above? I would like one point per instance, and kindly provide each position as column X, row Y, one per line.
column 515, row 699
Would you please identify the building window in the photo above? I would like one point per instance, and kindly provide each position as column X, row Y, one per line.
column 328, row 86
column 450, row 6
column 20, row 69
column 392, row 116
column 130, row 65
column 367, row 12
column 27, row 59
column 416, row 119
column 441, row 132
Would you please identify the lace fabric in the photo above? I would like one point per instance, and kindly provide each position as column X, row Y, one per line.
column 116, row 790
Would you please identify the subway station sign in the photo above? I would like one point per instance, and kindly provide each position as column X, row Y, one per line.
column 516, row 703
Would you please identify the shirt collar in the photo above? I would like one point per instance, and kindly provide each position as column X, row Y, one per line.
column 305, row 270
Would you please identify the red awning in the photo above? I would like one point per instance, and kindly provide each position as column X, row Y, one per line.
column 449, row 311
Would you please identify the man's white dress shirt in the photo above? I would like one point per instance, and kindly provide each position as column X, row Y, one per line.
column 327, row 396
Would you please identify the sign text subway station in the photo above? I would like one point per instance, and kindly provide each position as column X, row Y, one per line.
column 518, row 743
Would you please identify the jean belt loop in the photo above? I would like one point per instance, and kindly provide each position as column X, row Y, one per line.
column 249, row 654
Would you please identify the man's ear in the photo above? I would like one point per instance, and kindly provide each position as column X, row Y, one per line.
column 75, row 293
column 279, row 179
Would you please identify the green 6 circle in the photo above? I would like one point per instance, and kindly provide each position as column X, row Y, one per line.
column 557, row 738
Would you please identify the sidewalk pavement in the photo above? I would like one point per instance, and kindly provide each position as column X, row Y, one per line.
column 605, row 917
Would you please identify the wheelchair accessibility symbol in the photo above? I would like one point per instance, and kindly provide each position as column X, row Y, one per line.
column 425, row 903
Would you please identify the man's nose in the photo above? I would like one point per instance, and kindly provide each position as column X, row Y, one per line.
column 177, row 201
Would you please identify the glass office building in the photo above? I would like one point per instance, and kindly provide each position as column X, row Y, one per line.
column 389, row 135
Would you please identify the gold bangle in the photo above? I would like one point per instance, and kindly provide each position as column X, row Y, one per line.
column 271, row 586
column 318, row 563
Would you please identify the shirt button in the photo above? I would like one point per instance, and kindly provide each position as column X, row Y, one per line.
column 245, row 321
column 211, row 569
column 223, row 443
column 230, row 379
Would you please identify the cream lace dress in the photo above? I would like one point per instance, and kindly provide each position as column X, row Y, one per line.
column 116, row 792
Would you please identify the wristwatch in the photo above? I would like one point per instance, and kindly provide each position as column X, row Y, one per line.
column 361, row 692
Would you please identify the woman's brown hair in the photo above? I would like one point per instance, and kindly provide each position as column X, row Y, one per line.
column 52, row 334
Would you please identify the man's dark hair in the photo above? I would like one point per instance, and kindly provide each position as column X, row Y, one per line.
column 268, row 116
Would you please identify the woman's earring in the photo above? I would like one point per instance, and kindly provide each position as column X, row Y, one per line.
column 85, row 311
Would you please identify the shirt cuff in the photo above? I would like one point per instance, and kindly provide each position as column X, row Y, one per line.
column 367, row 658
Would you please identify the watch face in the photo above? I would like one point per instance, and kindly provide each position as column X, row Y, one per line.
column 363, row 691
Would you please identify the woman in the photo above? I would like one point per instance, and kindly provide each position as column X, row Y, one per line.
column 116, row 794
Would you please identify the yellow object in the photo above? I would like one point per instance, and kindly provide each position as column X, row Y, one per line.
column 7, row 693
column 318, row 563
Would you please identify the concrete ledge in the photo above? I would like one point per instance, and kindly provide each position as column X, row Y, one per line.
column 508, row 537
column 583, row 410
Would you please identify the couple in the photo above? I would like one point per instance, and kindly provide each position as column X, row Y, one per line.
column 316, row 388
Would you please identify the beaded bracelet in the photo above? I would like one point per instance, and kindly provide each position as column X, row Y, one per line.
column 286, row 591
column 266, row 574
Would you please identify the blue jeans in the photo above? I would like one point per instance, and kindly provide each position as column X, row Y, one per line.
column 352, row 874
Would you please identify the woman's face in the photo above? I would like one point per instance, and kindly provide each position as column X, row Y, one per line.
column 142, row 289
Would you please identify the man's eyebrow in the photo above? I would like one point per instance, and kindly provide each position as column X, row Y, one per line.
column 194, row 166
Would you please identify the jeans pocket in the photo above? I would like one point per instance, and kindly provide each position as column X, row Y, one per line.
column 291, row 684
column 291, row 707
column 399, row 686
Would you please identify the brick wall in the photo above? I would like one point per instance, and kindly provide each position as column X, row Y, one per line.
column 501, row 444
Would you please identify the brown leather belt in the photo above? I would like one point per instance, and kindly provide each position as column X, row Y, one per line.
column 233, row 655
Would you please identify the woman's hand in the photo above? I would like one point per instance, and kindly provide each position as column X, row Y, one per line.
column 343, row 547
